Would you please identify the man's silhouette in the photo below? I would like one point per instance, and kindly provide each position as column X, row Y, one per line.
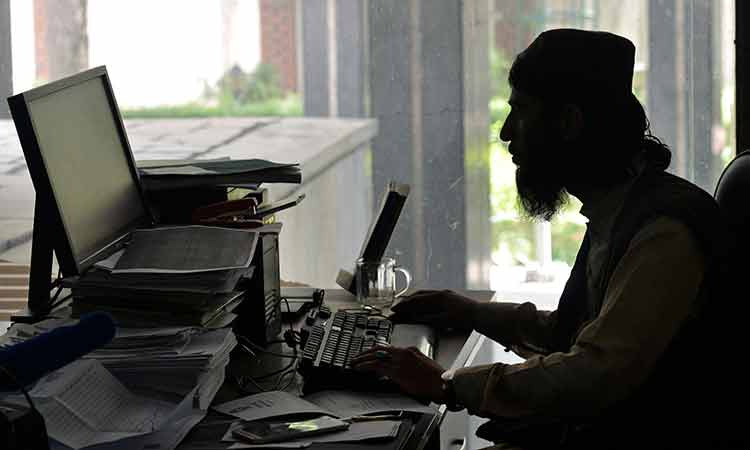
column 616, row 365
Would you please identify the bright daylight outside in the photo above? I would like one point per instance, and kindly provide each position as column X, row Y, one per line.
column 364, row 92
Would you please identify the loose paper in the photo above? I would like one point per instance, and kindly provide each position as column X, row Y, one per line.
column 268, row 404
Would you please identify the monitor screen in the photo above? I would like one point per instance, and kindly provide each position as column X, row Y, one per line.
column 88, row 164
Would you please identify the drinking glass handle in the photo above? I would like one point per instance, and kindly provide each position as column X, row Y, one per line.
column 407, row 275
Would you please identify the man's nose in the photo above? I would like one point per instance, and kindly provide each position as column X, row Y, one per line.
column 505, row 131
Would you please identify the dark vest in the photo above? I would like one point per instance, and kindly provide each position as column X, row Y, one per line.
column 677, row 403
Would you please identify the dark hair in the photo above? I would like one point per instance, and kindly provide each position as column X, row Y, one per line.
column 615, row 127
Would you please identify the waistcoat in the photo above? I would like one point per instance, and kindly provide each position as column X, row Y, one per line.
column 677, row 406
column 676, row 403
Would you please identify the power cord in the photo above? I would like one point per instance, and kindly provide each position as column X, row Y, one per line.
column 292, row 339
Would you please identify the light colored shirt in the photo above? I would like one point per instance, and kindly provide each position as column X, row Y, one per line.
column 648, row 297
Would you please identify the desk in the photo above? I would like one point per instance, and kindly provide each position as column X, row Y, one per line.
column 453, row 350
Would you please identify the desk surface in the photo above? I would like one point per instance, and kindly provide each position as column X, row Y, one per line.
column 453, row 349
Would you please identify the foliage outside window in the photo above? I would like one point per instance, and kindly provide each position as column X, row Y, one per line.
column 236, row 93
column 513, row 237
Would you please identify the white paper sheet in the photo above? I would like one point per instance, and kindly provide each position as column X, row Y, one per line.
column 268, row 404
column 83, row 405
column 187, row 249
column 347, row 403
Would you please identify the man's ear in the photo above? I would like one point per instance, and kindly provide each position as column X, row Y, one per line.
column 571, row 122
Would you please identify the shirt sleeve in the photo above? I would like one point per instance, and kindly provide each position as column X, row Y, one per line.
column 649, row 295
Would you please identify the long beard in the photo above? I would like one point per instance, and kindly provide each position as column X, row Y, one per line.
column 541, row 193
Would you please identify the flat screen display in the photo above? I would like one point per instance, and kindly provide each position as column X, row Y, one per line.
column 87, row 164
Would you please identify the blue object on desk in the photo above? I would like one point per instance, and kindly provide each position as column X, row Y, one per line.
column 30, row 360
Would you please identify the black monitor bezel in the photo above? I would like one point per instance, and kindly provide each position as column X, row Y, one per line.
column 57, row 230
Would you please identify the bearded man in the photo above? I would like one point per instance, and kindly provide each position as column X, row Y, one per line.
column 617, row 365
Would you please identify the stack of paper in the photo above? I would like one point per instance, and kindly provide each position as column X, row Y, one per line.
column 83, row 405
column 199, row 360
column 173, row 360
column 163, row 175
column 182, row 275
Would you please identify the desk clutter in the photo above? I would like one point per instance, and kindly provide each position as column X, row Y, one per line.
column 371, row 416
column 156, row 250
column 174, row 273
column 180, row 366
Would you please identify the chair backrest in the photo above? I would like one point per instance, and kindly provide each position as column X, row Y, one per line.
column 733, row 196
column 733, row 192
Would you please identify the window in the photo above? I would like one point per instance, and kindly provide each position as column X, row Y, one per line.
column 362, row 92
column 684, row 77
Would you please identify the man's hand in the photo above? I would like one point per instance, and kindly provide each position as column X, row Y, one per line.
column 416, row 374
column 442, row 309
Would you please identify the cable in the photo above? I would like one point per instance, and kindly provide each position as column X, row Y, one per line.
column 260, row 349
column 57, row 303
column 292, row 339
column 241, row 384
column 289, row 383
column 290, row 367
column 275, row 372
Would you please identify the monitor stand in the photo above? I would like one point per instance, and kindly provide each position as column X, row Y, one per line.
column 40, row 273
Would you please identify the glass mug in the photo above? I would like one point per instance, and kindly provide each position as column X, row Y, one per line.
column 376, row 282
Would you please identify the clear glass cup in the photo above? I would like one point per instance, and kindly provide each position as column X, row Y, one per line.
column 376, row 282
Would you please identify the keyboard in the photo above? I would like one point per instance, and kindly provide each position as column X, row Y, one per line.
column 331, row 339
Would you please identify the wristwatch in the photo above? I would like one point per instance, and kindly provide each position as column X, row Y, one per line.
column 449, row 391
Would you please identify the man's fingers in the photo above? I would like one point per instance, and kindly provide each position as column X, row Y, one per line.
column 371, row 366
column 400, row 317
column 413, row 304
column 376, row 353
column 439, row 319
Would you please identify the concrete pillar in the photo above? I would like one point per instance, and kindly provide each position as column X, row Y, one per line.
column 421, row 69
column 392, row 42
column 429, row 91
column 662, row 73
column 699, row 95
column 6, row 60
column 477, row 20
column 351, row 57
column 315, row 50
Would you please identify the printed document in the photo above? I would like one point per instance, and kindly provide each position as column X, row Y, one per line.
column 340, row 404
column 187, row 249
column 83, row 404
column 350, row 403
column 268, row 404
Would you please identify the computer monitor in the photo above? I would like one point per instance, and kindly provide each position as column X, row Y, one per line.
column 88, row 193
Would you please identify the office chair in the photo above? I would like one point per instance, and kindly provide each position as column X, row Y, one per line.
column 733, row 196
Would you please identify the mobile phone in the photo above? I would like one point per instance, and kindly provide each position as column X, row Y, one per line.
column 277, row 431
